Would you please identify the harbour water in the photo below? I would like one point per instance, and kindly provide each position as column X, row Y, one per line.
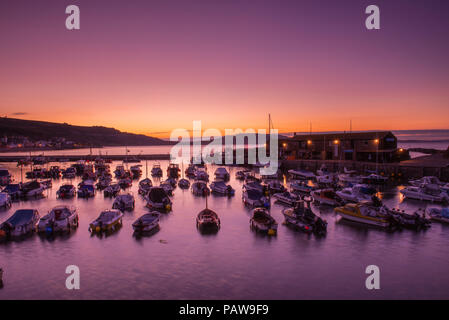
column 179, row 263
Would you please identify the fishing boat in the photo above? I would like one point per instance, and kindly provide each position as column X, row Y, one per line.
column 287, row 198
column 275, row 186
column 357, row 193
column 438, row 214
column 21, row 223
column 173, row 170
column 262, row 221
column 326, row 196
column 124, row 202
column 5, row 200
column 32, row 189
column 255, row 198
column 221, row 188
column 145, row 186
column 156, row 171
column 184, row 183
column 147, row 223
column 199, row 188
column 302, row 187
column 301, row 175
column 5, row 177
column 256, row 185
column 221, row 174
column 429, row 192
column 66, row 191
column 112, row 191
column 59, row 219
column 302, row 217
column 86, row 189
column 157, row 199
column 109, row 220
column 136, row 171
column 14, row 191
column 363, row 213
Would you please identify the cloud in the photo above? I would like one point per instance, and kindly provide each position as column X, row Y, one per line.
column 19, row 113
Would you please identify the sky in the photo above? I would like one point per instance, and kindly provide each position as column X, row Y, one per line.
column 153, row 66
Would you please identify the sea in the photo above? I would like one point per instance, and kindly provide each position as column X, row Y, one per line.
column 178, row 262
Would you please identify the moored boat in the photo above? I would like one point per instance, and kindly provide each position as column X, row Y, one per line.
column 112, row 191
column 363, row 213
column 156, row 171
column 287, row 198
column 200, row 188
column 221, row 188
column 5, row 200
column 429, row 192
column 147, row 223
column 221, row 174
column 21, row 223
column 59, row 219
column 438, row 214
column 124, row 202
column 255, row 198
column 66, row 191
column 262, row 221
column 157, row 199
column 108, row 220
column 302, row 217
column 145, row 186
column 326, row 196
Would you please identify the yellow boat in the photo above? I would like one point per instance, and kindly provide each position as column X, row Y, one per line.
column 363, row 213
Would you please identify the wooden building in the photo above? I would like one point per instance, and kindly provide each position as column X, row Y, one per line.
column 378, row 146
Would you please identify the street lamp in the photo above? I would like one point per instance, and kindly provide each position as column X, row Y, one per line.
column 376, row 141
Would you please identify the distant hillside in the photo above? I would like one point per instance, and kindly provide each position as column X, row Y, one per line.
column 93, row 136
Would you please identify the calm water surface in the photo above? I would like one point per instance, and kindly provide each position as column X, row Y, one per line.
column 179, row 263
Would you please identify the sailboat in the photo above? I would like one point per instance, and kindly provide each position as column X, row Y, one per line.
column 208, row 220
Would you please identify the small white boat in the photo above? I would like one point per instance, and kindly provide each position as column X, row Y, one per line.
column 262, row 221
column 66, row 191
column 86, row 189
column 326, row 196
column 438, row 214
column 5, row 200
column 103, row 183
column 200, row 189
column 190, row 171
column 157, row 199
column 255, row 185
column 349, row 178
column 184, row 183
column 13, row 190
column 109, row 220
column 287, row 198
column 156, row 171
column 357, row 193
column 222, row 174
column 429, row 192
column 202, row 175
column 425, row 181
column 301, row 174
column 221, row 188
column 255, row 198
column 136, row 171
column 145, row 186
column 147, row 223
column 112, row 191
column 302, row 187
column 125, row 183
column 167, row 186
column 21, row 223
column 32, row 189
column 69, row 173
column 124, row 202
column 59, row 219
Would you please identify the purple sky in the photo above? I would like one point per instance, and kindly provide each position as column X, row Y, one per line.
column 152, row 66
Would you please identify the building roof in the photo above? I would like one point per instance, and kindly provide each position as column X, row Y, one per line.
column 344, row 135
